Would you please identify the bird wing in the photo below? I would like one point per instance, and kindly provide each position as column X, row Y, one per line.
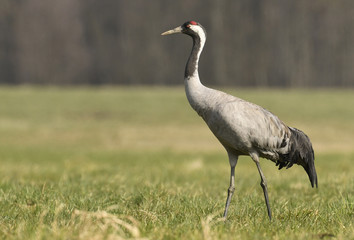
column 269, row 132
column 247, row 127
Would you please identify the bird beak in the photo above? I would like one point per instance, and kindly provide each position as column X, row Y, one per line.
column 175, row 30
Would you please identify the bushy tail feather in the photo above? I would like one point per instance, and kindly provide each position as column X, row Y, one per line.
column 301, row 153
column 311, row 172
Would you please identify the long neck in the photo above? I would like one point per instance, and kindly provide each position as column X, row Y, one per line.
column 191, row 70
column 195, row 90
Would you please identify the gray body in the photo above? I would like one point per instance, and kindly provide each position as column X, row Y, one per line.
column 243, row 128
column 240, row 126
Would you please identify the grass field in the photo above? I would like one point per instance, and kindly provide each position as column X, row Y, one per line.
column 138, row 163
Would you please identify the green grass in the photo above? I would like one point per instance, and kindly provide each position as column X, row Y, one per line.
column 133, row 163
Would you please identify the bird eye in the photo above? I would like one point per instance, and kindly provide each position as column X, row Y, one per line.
column 188, row 26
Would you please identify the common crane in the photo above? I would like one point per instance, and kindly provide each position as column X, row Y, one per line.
column 243, row 128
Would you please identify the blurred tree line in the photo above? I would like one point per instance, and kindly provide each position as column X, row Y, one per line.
column 250, row 42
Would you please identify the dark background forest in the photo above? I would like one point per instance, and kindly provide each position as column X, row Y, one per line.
column 278, row 43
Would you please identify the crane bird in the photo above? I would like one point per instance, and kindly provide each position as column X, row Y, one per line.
column 243, row 128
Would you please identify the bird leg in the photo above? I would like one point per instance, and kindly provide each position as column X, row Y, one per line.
column 231, row 189
column 263, row 184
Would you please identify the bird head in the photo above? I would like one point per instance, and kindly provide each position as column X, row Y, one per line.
column 190, row 28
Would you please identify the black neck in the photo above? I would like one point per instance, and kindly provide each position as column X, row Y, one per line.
column 192, row 62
